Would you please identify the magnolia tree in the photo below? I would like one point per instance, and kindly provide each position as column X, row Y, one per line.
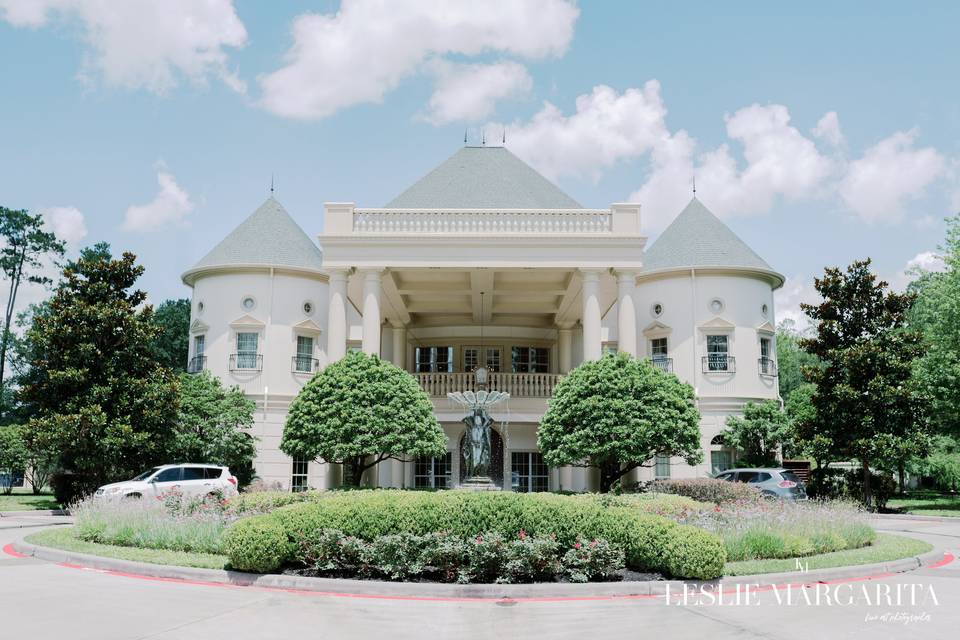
column 358, row 412
column 617, row 414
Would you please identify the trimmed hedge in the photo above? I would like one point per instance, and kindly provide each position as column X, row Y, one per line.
column 370, row 515
column 705, row 489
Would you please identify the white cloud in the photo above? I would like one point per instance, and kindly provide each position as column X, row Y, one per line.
column 787, row 299
column 889, row 173
column 923, row 261
column 368, row 47
column 605, row 129
column 144, row 43
column 828, row 129
column 469, row 92
column 67, row 223
column 170, row 206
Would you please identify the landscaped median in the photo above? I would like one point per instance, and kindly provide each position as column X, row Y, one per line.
column 482, row 537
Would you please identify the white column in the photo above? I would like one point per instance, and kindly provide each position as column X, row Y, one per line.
column 397, row 467
column 399, row 345
column 592, row 346
column 371, row 312
column 564, row 348
column 337, row 316
column 566, row 478
column 626, row 313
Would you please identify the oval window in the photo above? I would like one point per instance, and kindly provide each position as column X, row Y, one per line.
column 716, row 305
column 658, row 309
column 249, row 303
column 308, row 307
column 764, row 310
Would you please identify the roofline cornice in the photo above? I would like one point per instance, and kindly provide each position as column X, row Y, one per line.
column 190, row 276
column 776, row 279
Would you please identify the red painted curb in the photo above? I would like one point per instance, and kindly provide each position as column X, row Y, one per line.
column 9, row 550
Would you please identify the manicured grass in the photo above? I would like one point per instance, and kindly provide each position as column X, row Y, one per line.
column 24, row 500
column 928, row 504
column 886, row 547
column 65, row 538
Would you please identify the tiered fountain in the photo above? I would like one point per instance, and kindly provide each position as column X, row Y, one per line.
column 476, row 443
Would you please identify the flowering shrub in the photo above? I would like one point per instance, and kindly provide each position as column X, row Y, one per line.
column 593, row 560
column 483, row 558
column 759, row 528
column 172, row 522
column 705, row 489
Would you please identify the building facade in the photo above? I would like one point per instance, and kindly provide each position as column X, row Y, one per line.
column 483, row 263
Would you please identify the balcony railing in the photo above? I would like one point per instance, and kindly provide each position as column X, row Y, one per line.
column 481, row 221
column 197, row 364
column 719, row 363
column 246, row 362
column 518, row 385
column 304, row 364
column 664, row 364
column 767, row 367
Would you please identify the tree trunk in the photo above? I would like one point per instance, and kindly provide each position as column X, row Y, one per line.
column 354, row 472
column 7, row 321
column 902, row 472
column 867, row 493
column 609, row 473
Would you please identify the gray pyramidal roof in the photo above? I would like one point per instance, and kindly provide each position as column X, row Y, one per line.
column 696, row 239
column 483, row 178
column 269, row 238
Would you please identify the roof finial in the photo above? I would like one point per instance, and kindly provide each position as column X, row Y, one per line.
column 464, row 135
column 694, row 186
column 483, row 137
column 271, row 184
column 504, row 141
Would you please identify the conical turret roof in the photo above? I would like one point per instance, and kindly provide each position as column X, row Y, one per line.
column 268, row 238
column 699, row 239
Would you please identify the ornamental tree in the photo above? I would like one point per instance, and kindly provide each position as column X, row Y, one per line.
column 97, row 395
column 358, row 412
column 864, row 397
column 172, row 343
column 616, row 414
column 759, row 433
column 211, row 425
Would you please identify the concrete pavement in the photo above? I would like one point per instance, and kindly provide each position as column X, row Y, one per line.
column 40, row 600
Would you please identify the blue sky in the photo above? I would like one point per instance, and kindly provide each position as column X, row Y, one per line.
column 159, row 139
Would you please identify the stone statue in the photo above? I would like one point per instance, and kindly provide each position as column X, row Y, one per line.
column 477, row 451
column 476, row 444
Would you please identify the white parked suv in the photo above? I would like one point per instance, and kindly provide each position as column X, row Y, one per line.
column 192, row 480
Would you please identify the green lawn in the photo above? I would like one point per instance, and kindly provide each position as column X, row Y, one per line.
column 887, row 547
column 927, row 503
column 64, row 538
column 24, row 500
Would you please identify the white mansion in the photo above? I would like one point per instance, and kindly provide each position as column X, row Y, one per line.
column 483, row 262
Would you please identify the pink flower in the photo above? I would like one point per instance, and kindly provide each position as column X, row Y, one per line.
column 577, row 545
column 522, row 535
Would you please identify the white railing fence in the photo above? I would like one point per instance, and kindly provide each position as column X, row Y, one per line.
column 518, row 385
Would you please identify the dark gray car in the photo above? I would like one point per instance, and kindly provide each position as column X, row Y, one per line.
column 772, row 482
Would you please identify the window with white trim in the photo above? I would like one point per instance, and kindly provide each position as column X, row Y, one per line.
column 717, row 353
column 304, row 358
column 530, row 359
column 661, row 469
column 471, row 358
column 299, row 474
column 528, row 472
column 432, row 472
column 433, row 359
column 247, row 349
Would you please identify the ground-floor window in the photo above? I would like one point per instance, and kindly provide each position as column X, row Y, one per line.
column 720, row 461
column 528, row 472
column 433, row 472
column 661, row 468
column 298, row 475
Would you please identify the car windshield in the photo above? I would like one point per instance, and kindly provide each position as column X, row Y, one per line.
column 146, row 474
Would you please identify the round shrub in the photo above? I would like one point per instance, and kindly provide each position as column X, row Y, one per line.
column 257, row 544
column 694, row 553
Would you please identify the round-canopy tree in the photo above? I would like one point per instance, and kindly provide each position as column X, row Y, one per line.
column 358, row 412
column 616, row 414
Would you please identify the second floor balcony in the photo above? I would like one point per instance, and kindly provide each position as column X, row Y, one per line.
column 197, row 364
column 518, row 385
